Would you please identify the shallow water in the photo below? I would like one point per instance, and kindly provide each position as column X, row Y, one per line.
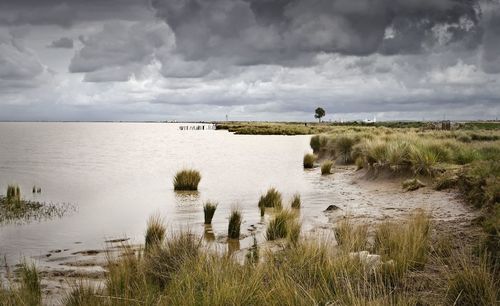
column 118, row 174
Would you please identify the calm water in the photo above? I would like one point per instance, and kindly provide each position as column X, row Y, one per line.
column 118, row 174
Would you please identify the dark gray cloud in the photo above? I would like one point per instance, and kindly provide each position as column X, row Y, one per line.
column 264, row 31
column 63, row 42
column 251, row 59
column 66, row 13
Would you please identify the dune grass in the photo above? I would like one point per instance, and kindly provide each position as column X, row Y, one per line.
column 309, row 160
column 155, row 232
column 209, row 211
column 187, row 180
column 326, row 167
column 272, row 198
column 27, row 292
column 233, row 230
column 296, row 201
column 350, row 237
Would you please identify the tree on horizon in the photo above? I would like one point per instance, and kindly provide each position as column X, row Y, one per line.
column 319, row 113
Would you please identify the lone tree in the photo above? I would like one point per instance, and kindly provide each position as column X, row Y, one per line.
column 320, row 113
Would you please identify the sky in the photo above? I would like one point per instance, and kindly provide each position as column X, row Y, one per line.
column 142, row 60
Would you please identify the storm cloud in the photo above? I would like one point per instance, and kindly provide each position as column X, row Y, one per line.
column 253, row 59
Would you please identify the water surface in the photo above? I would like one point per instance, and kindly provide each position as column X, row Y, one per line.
column 118, row 174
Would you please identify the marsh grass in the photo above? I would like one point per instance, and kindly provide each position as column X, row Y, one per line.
column 350, row 237
column 406, row 244
column 233, row 230
column 326, row 167
column 13, row 195
column 281, row 226
column 187, row 180
column 471, row 283
column 209, row 211
column 343, row 145
column 272, row 198
column 296, row 201
column 14, row 209
column 309, row 160
column 307, row 272
column 155, row 232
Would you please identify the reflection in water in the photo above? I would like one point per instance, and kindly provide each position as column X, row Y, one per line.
column 208, row 234
column 183, row 198
column 233, row 245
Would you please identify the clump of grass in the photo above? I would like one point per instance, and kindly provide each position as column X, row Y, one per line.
column 296, row 202
column 164, row 261
column 360, row 163
column 412, row 184
column 465, row 155
column 13, row 195
column 209, row 211
column 309, row 160
column 233, row 230
column 406, row 244
column 30, row 284
column 422, row 159
column 187, row 179
column 315, row 143
column 351, row 238
column 343, row 145
column 326, row 167
column 280, row 226
column 155, row 232
column 272, row 198
column 472, row 283
column 83, row 294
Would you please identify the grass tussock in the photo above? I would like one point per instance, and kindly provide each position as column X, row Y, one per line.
column 471, row 283
column 296, row 201
column 407, row 245
column 309, row 160
column 187, row 180
column 272, row 198
column 155, row 232
column 284, row 225
column 326, row 167
column 233, row 230
column 209, row 211
column 13, row 195
column 350, row 237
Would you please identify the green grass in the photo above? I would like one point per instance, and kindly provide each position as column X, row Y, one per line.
column 209, row 211
column 155, row 232
column 326, row 167
column 233, row 230
column 343, row 145
column 272, row 198
column 296, row 201
column 187, row 180
column 309, row 160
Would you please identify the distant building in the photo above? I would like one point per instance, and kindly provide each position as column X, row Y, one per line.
column 370, row 121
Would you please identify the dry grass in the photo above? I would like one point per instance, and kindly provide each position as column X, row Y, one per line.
column 209, row 211
column 326, row 167
column 155, row 232
column 296, row 202
column 272, row 198
column 187, row 179
column 309, row 160
column 233, row 230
